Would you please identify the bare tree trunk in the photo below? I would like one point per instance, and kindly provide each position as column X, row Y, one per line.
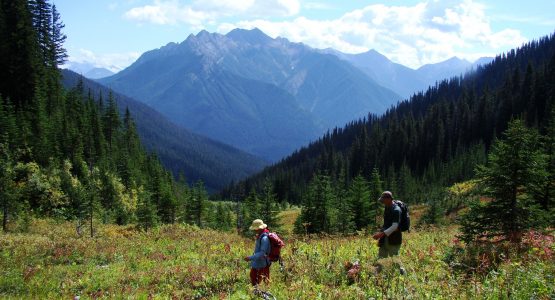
column 91, row 218
column 5, row 218
column 79, row 227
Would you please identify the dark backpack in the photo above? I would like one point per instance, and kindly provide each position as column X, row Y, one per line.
column 405, row 217
column 276, row 243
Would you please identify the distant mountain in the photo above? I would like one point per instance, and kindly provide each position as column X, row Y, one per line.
column 404, row 80
column 443, row 70
column 178, row 149
column 396, row 77
column 262, row 95
column 90, row 70
column 97, row 73
column 482, row 61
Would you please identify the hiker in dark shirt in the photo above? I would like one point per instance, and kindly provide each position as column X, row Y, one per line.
column 390, row 238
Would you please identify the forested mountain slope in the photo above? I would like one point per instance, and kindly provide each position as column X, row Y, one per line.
column 181, row 151
column 434, row 138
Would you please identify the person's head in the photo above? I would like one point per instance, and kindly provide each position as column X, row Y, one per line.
column 258, row 226
column 386, row 198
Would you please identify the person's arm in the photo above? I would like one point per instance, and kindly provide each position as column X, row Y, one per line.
column 263, row 250
column 391, row 229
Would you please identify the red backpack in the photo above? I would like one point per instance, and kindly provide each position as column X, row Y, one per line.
column 276, row 243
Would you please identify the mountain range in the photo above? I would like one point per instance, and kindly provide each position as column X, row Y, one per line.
column 262, row 95
column 180, row 150
column 404, row 80
column 432, row 140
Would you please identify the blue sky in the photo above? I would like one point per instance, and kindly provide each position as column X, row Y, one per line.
column 113, row 34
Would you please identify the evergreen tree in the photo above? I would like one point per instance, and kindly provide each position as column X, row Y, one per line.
column 57, row 50
column 314, row 213
column 375, row 191
column 268, row 206
column 147, row 216
column 510, row 178
column 8, row 190
column 359, row 198
column 251, row 210
column 341, row 213
column 197, row 205
column 111, row 121
column 93, row 188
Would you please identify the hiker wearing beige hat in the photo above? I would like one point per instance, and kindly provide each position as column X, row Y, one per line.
column 260, row 264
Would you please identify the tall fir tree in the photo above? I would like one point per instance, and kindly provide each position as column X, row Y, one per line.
column 516, row 166
column 359, row 198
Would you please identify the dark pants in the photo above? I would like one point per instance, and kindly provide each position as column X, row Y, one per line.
column 387, row 250
column 259, row 275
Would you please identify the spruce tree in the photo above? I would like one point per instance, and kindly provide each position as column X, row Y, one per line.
column 314, row 213
column 359, row 198
column 8, row 191
column 251, row 209
column 268, row 206
column 375, row 192
column 197, row 203
column 516, row 166
column 147, row 216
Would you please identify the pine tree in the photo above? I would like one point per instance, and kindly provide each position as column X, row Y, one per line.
column 314, row 214
column 268, row 206
column 111, row 121
column 375, row 191
column 359, row 198
column 251, row 210
column 510, row 178
column 197, row 204
column 57, row 51
column 8, row 191
column 147, row 216
column 546, row 197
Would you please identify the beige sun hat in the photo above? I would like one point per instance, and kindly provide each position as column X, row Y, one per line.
column 258, row 224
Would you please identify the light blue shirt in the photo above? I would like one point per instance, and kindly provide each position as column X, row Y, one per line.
column 260, row 259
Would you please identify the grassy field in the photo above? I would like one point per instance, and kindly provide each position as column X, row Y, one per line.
column 184, row 262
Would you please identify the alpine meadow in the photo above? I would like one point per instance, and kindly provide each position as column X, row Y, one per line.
column 157, row 180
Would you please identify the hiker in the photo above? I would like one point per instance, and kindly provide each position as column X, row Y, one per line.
column 260, row 264
column 390, row 238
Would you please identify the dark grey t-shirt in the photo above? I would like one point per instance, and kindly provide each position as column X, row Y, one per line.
column 392, row 214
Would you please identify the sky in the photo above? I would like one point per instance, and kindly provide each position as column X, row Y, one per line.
column 113, row 34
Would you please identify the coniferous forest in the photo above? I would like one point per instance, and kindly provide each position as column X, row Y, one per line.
column 69, row 154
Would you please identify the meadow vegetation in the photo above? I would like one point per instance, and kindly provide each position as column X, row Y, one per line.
column 185, row 262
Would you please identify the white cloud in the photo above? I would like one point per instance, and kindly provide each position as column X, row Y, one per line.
column 427, row 32
column 317, row 6
column 163, row 12
column 167, row 12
